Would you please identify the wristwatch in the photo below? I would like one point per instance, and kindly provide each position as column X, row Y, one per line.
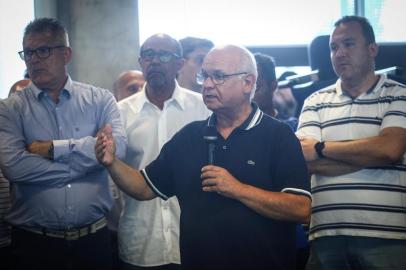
column 51, row 151
column 319, row 146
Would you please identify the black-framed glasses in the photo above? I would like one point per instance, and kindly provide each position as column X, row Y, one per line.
column 217, row 77
column 41, row 52
column 163, row 56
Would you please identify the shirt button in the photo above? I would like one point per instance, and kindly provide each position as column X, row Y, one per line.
column 69, row 186
column 224, row 147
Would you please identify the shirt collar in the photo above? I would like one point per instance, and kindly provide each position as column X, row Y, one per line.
column 178, row 98
column 67, row 89
column 375, row 87
column 253, row 119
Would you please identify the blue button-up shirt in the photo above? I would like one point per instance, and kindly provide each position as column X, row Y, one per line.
column 72, row 190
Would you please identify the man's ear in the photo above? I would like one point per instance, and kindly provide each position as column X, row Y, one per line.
column 274, row 86
column 249, row 81
column 67, row 54
column 373, row 49
column 179, row 63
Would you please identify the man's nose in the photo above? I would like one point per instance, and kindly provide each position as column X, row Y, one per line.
column 341, row 51
column 155, row 59
column 208, row 82
column 34, row 58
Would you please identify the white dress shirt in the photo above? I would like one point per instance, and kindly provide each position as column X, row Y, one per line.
column 148, row 232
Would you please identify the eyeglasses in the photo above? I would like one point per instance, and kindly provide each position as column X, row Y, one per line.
column 217, row 77
column 164, row 56
column 41, row 52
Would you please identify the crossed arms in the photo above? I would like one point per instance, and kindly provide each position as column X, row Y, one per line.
column 343, row 157
column 31, row 163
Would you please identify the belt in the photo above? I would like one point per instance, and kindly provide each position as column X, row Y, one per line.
column 71, row 234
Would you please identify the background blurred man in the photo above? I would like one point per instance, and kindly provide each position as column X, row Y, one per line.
column 194, row 51
column 128, row 83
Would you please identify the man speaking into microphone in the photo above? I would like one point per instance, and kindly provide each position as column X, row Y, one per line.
column 210, row 137
column 239, row 212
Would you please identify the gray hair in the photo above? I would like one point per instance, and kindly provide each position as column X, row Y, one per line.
column 249, row 65
column 51, row 25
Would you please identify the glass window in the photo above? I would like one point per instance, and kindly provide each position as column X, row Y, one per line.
column 388, row 19
column 14, row 16
column 249, row 23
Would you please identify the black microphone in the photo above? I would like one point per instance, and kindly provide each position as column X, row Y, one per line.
column 210, row 136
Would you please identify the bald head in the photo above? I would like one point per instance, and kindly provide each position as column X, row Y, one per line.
column 128, row 83
column 232, row 59
column 160, row 60
column 238, row 57
column 229, row 75
column 164, row 40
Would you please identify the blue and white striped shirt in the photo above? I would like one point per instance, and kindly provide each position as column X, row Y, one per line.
column 370, row 202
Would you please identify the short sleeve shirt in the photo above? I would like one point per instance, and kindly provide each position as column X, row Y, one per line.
column 218, row 232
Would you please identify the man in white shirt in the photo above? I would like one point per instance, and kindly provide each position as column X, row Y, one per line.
column 149, row 230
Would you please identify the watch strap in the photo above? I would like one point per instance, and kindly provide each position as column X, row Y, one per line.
column 319, row 146
column 51, row 151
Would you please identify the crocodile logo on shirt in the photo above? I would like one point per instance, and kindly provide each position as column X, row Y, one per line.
column 251, row 162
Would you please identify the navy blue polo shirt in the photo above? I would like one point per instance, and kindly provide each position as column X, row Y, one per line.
column 222, row 233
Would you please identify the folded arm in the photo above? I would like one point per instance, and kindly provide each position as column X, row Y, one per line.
column 79, row 152
column 19, row 165
column 386, row 148
column 342, row 157
column 329, row 167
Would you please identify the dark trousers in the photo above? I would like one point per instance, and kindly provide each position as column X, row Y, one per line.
column 35, row 251
column 357, row 253
column 5, row 261
column 172, row 266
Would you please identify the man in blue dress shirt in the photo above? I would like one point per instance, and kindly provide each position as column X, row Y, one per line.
column 59, row 192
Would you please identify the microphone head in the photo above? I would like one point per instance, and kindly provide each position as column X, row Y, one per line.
column 210, row 134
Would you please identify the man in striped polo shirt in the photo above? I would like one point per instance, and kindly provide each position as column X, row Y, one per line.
column 353, row 136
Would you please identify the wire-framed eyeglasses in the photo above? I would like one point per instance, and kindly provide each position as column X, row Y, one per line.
column 41, row 52
column 216, row 77
column 163, row 56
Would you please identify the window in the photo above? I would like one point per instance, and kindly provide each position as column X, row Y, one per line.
column 388, row 19
column 255, row 22
column 14, row 16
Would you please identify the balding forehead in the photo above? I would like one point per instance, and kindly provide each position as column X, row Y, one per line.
column 161, row 41
column 222, row 59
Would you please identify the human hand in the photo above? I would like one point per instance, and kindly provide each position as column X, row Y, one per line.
column 40, row 148
column 105, row 146
column 308, row 148
column 217, row 179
